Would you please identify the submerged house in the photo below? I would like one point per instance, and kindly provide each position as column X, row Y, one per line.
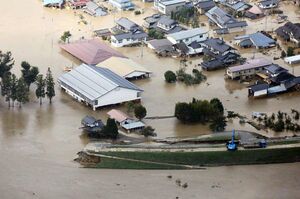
column 204, row 5
column 257, row 40
column 151, row 21
column 91, row 52
column 281, row 83
column 168, row 6
column 127, row 33
column 126, row 68
column 161, row 46
column 226, row 22
column 289, row 32
column 254, row 12
column 53, row 3
column 91, row 124
column 122, row 4
column 237, row 6
column 98, row 87
column 125, row 121
column 188, row 36
column 77, row 4
column 94, row 9
column 221, row 54
column 267, row 4
column 249, row 69
column 167, row 25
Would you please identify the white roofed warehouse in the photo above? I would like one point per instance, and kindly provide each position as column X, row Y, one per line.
column 98, row 87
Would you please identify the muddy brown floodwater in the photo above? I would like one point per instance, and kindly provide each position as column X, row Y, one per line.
column 37, row 144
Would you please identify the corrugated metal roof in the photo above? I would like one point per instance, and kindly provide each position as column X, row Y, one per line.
column 187, row 33
column 49, row 2
column 171, row 2
column 93, row 82
column 261, row 40
column 133, row 125
column 250, row 64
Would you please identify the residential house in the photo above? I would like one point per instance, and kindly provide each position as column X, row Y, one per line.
column 188, row 36
column 161, row 46
column 254, row 12
column 221, row 54
column 151, row 21
column 125, row 121
column 289, row 32
column 53, row 3
column 124, row 24
column 126, row 68
column 98, row 87
column 204, row 5
column 258, row 40
column 128, row 33
column 267, row 4
column 292, row 59
column 226, row 22
column 248, row 69
column 168, row 6
column 281, row 83
column 167, row 25
column 94, row 9
column 274, row 70
column 77, row 4
column 128, row 39
column 122, row 4
column 238, row 6
column 91, row 124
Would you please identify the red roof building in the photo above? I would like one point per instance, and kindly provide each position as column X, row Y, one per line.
column 91, row 52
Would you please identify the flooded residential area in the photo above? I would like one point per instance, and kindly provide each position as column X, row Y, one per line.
column 38, row 143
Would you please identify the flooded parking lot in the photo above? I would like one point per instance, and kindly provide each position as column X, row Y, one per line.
column 38, row 143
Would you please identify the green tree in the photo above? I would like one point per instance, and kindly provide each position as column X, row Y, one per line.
column 40, row 90
column 6, row 87
column 170, row 76
column 22, row 92
column 140, row 111
column 110, row 130
column 290, row 51
column 6, row 63
column 148, row 131
column 50, row 91
column 217, row 105
column 13, row 93
column 29, row 73
column 218, row 124
column 66, row 36
column 283, row 54
column 130, row 106
column 182, row 111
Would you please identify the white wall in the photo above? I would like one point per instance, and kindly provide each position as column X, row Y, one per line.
column 135, row 74
column 124, row 42
column 116, row 96
column 188, row 41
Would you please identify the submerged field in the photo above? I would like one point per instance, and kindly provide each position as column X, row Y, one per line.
column 185, row 160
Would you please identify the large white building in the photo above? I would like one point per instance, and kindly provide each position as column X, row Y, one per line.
column 168, row 6
column 122, row 4
column 97, row 87
column 188, row 36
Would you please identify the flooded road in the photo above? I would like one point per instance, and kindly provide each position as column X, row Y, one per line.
column 37, row 144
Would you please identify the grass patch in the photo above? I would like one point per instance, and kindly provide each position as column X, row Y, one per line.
column 109, row 163
column 212, row 158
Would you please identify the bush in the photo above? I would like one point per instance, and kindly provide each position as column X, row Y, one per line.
column 140, row 112
column 137, row 12
column 290, row 51
column 170, row 76
column 148, row 131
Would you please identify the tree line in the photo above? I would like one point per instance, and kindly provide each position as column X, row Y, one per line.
column 202, row 111
column 17, row 89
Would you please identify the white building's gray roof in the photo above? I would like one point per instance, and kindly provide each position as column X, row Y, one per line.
column 94, row 82
column 171, row 2
column 187, row 33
